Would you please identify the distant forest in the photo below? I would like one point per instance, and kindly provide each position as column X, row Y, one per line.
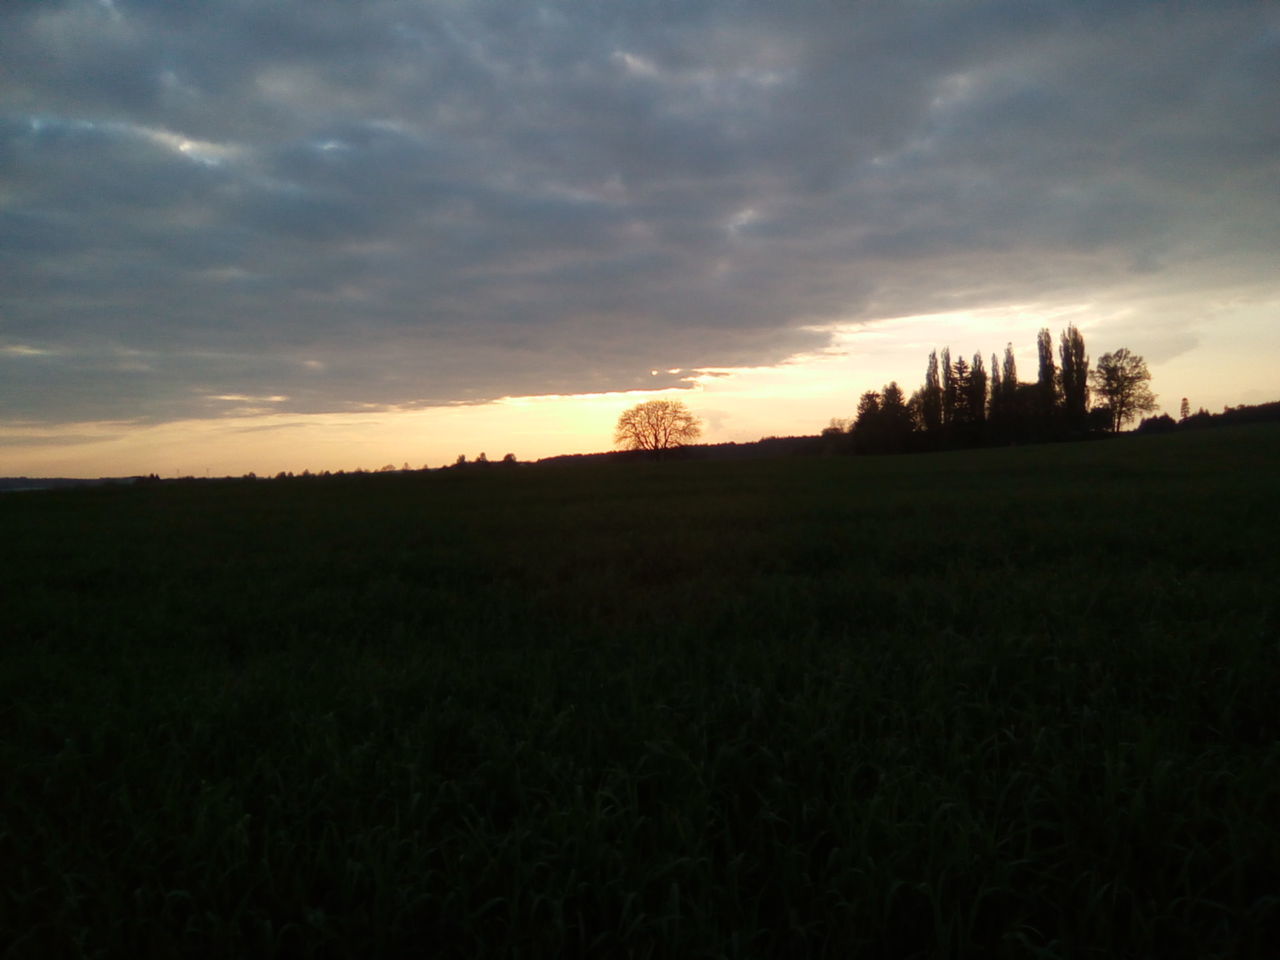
column 1245, row 413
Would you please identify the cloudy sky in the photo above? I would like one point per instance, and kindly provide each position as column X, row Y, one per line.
column 273, row 234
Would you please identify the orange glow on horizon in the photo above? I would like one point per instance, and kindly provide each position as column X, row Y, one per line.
column 797, row 396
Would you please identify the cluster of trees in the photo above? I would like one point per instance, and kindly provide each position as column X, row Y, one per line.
column 1245, row 413
column 967, row 403
column 482, row 461
column 961, row 403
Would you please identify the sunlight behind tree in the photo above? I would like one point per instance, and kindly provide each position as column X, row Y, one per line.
column 1120, row 380
column 657, row 425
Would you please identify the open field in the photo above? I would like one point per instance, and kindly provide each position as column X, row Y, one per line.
column 1016, row 703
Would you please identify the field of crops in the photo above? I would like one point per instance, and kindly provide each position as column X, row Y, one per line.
column 1009, row 703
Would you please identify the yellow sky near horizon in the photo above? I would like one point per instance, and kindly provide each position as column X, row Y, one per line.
column 798, row 397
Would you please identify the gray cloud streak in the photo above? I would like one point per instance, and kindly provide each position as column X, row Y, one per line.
column 424, row 203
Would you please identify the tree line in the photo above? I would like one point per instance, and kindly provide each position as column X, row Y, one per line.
column 966, row 403
column 1202, row 418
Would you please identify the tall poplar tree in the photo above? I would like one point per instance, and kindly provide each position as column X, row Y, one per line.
column 1009, row 377
column 995, row 406
column 931, row 395
column 948, row 387
column 977, row 390
column 1074, row 377
column 1046, row 382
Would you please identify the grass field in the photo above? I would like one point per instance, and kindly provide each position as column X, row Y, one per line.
column 1010, row 703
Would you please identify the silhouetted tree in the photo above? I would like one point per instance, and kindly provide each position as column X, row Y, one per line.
column 977, row 391
column 949, row 392
column 1161, row 424
column 960, row 380
column 915, row 407
column 1046, row 381
column 995, row 411
column 1009, row 377
column 1121, row 380
column 1074, row 377
column 868, row 428
column 656, row 425
column 895, row 415
column 836, row 435
column 1005, row 416
column 1009, row 383
column 931, row 396
column 1184, row 411
column 884, row 423
column 868, row 414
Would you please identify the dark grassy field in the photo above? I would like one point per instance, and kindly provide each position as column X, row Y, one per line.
column 1011, row 703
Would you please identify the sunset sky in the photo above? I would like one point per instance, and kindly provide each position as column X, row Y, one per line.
column 282, row 234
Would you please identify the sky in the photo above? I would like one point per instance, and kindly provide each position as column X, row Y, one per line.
column 265, row 235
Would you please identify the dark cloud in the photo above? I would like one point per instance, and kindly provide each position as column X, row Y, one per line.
column 406, row 204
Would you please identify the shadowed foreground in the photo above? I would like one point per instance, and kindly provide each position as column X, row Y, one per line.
column 1004, row 703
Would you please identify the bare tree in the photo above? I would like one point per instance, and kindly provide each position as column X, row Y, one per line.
column 1120, row 380
column 656, row 425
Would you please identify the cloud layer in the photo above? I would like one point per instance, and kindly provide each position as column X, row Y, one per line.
column 297, row 206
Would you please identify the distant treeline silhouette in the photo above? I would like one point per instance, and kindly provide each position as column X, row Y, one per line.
column 964, row 403
column 765, row 447
column 961, row 404
column 1202, row 418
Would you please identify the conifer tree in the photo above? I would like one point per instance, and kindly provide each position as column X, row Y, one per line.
column 868, row 409
column 961, row 376
column 868, row 427
column 895, row 417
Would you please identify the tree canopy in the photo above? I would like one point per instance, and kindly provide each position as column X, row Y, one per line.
column 1120, row 380
column 966, row 403
column 657, row 425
